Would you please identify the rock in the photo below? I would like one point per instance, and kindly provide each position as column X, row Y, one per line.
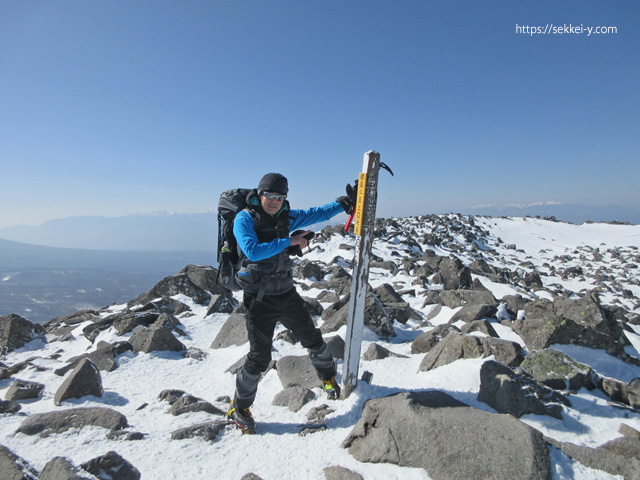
column 151, row 339
column 126, row 322
column 308, row 269
column 83, row 380
column 165, row 305
column 104, row 357
column 92, row 331
column 221, row 304
column 460, row 298
column 293, row 397
column 61, row 468
column 558, row 371
column 233, row 332
column 318, row 414
column 113, row 466
column 633, row 393
column 378, row 352
column 517, row 395
column 414, row 429
column 189, row 403
column 194, row 281
column 426, row 341
column 471, row 313
column 16, row 331
column 604, row 458
column 628, row 431
column 341, row 473
column 23, row 390
column 616, row 390
column 297, row 371
column 387, row 294
column 582, row 322
column 456, row 346
column 123, row 435
column 14, row 467
column 207, row 430
column 61, row 421
column 375, row 317
column 453, row 274
column 480, row 326
column 9, row 406
column 336, row 345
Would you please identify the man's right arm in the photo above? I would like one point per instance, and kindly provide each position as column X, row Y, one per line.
column 245, row 233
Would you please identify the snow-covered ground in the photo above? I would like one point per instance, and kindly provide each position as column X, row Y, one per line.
column 277, row 451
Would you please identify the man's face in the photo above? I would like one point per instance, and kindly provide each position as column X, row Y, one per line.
column 271, row 202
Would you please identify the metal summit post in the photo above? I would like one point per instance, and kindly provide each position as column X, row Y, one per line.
column 365, row 217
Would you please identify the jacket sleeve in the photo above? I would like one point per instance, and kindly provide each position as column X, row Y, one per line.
column 245, row 233
column 304, row 218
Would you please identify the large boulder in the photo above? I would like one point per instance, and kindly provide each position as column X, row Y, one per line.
column 375, row 317
column 62, row 420
column 14, row 467
column 16, row 331
column 426, row 341
column 23, row 390
column 151, row 339
column 233, row 332
column 447, row 438
column 297, row 371
column 195, row 281
column 456, row 346
column 459, row 298
column 566, row 321
column 83, row 380
column 559, row 371
column 60, row 468
column 453, row 274
column 113, row 466
column 517, row 394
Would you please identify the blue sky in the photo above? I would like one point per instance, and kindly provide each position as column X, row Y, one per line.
column 121, row 107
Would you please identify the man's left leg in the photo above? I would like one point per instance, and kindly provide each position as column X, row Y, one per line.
column 296, row 318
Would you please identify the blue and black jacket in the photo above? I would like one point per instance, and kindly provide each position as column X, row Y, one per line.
column 265, row 265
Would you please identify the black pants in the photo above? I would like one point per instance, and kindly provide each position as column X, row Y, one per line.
column 287, row 308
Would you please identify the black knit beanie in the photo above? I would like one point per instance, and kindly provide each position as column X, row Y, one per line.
column 275, row 183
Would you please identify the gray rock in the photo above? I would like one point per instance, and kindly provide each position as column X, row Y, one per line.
column 558, row 371
column 456, row 346
column 126, row 322
column 582, row 322
column 378, row 352
column 426, row 341
column 483, row 326
column 113, row 466
column 414, row 429
column 207, row 430
column 151, row 339
column 387, row 294
column 459, row 298
column 471, row 313
column 294, row 398
column 517, row 395
column 233, row 332
column 453, row 274
column 14, row 467
column 61, row 468
column 9, row 406
column 23, row 390
column 297, row 371
column 16, row 331
column 336, row 345
column 606, row 458
column 61, row 421
column 189, row 403
column 633, row 393
column 221, row 304
column 83, row 380
column 341, row 473
column 104, row 357
column 375, row 317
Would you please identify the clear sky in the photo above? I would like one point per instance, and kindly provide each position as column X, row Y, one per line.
column 118, row 107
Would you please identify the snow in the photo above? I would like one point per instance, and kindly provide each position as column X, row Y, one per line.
column 277, row 451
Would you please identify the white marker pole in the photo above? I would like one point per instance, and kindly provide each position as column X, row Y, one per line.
column 365, row 218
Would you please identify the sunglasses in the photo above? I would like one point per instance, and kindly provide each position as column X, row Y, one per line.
column 274, row 196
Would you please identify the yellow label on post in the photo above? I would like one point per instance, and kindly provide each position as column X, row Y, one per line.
column 362, row 187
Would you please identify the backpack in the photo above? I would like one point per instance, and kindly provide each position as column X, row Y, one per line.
column 231, row 203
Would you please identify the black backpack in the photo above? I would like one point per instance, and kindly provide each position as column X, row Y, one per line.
column 231, row 203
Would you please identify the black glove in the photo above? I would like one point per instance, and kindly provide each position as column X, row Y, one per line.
column 295, row 249
column 348, row 203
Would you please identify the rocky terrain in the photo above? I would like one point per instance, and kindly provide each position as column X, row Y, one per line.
column 493, row 348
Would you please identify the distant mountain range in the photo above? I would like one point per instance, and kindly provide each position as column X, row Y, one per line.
column 145, row 232
column 566, row 212
column 197, row 232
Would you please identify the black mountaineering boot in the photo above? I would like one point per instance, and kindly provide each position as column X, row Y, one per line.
column 331, row 388
column 242, row 418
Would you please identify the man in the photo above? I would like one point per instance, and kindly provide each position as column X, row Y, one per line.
column 265, row 275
